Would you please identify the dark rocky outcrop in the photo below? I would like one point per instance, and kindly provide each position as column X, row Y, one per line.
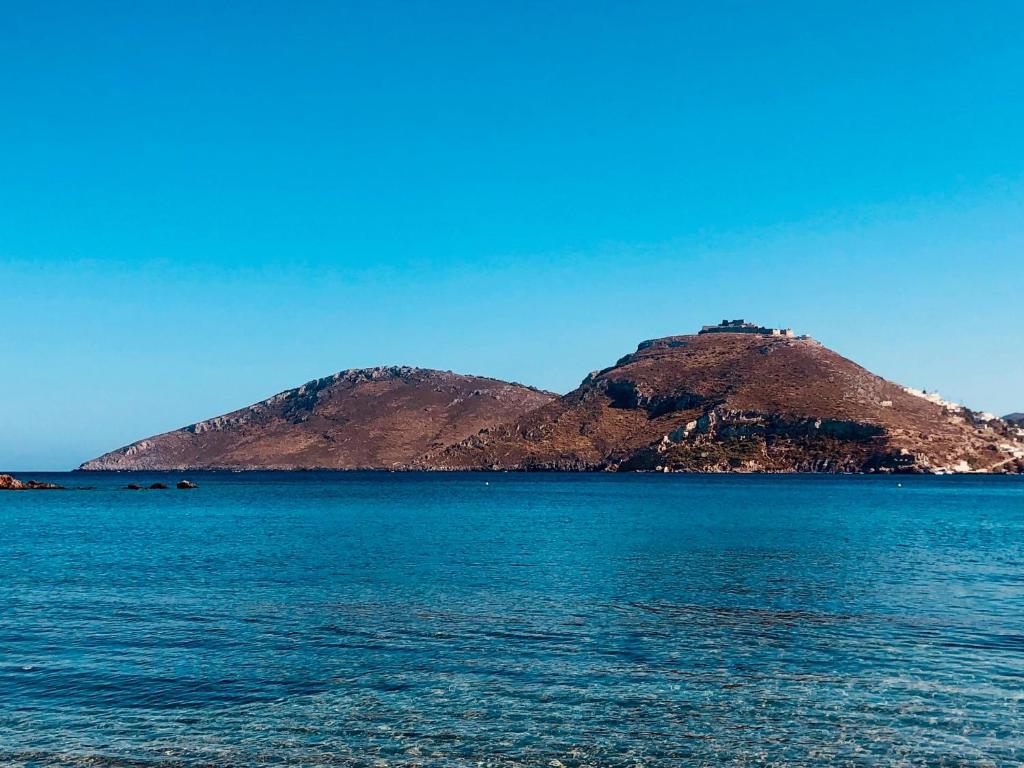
column 9, row 483
column 158, row 487
column 186, row 485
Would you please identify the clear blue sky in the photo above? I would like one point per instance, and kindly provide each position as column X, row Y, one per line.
column 202, row 204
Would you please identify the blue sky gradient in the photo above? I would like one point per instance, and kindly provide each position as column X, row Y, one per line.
column 201, row 206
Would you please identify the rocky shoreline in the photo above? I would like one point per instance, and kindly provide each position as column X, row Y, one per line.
column 9, row 483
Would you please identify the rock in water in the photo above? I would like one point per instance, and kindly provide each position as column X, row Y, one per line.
column 8, row 483
column 184, row 484
column 158, row 487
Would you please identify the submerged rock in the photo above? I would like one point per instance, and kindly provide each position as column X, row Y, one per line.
column 133, row 487
column 158, row 487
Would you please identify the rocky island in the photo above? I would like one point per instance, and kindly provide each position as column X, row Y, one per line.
column 734, row 397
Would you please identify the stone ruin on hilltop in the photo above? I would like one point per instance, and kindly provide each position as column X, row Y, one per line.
column 740, row 326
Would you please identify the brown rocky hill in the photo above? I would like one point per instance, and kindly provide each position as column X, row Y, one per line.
column 370, row 418
column 741, row 402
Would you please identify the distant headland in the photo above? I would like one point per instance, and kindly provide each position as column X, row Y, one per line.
column 734, row 397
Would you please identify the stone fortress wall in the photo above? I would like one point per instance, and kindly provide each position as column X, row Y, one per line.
column 740, row 326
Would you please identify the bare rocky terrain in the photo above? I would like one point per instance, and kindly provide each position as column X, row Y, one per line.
column 742, row 403
column 373, row 418
column 713, row 402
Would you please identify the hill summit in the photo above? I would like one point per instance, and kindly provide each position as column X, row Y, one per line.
column 747, row 398
column 368, row 418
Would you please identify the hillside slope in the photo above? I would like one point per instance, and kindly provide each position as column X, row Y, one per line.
column 740, row 402
column 368, row 418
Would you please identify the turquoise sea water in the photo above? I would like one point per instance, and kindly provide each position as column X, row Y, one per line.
column 504, row 619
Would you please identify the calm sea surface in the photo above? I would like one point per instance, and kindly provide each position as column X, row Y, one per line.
column 542, row 620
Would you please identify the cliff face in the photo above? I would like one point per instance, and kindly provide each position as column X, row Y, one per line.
column 733, row 402
column 370, row 418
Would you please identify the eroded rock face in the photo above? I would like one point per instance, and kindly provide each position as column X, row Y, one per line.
column 740, row 403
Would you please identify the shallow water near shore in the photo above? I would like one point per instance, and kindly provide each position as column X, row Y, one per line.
column 509, row 619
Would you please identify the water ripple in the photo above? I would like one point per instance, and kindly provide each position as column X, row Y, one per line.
column 393, row 620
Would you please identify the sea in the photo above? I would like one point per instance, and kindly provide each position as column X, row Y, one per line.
column 490, row 619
